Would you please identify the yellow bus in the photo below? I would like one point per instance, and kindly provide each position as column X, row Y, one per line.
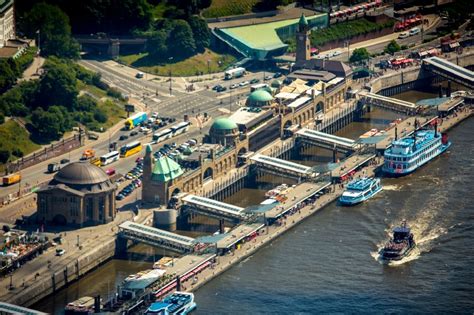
column 95, row 161
column 130, row 149
column 11, row 179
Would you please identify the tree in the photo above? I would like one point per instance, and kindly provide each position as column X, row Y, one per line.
column 2, row 118
column 201, row 34
column 156, row 44
column 359, row 54
column 4, row 156
column 58, row 85
column 392, row 47
column 54, row 28
column 100, row 116
column 7, row 76
column 180, row 41
column 51, row 124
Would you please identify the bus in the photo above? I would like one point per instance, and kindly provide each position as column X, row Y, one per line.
column 11, row 179
column 163, row 135
column 130, row 149
column 109, row 158
column 180, row 128
column 95, row 161
column 258, row 86
column 234, row 73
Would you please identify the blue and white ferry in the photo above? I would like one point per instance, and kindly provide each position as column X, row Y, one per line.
column 178, row 303
column 407, row 154
column 360, row 190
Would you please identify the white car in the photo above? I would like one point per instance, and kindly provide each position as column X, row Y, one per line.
column 60, row 252
column 234, row 86
column 336, row 53
column 244, row 83
column 403, row 35
column 414, row 31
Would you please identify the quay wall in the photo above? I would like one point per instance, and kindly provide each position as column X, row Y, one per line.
column 407, row 79
column 68, row 273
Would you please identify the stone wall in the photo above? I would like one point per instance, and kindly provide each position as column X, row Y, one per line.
column 68, row 273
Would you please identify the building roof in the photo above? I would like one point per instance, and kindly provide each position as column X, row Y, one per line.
column 339, row 68
column 81, row 173
column 312, row 75
column 5, row 5
column 260, row 95
column 224, row 124
column 165, row 169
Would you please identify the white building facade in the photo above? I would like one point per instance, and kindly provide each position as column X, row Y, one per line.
column 7, row 22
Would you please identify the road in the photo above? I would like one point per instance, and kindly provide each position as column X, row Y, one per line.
column 177, row 105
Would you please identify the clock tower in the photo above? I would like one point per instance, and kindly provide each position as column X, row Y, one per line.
column 303, row 48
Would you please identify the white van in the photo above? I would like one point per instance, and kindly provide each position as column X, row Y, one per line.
column 139, row 75
column 414, row 31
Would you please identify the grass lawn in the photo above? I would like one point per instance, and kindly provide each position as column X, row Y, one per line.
column 220, row 8
column 13, row 136
column 114, row 112
column 187, row 67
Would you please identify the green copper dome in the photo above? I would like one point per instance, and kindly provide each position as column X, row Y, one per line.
column 258, row 97
column 165, row 169
column 224, row 124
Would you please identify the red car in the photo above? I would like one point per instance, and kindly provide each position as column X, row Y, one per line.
column 110, row 171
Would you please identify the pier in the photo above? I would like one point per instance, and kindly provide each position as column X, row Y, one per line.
column 213, row 208
column 325, row 140
column 279, row 166
column 450, row 71
column 386, row 102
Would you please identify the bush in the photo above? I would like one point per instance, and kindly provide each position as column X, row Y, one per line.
column 403, row 47
column 392, row 47
column 2, row 118
column 112, row 92
column 100, row 116
column 17, row 152
column 4, row 156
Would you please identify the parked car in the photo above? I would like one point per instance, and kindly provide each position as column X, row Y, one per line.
column 60, row 251
column 414, row 31
column 244, row 83
column 254, row 81
column 216, row 87
column 336, row 53
column 64, row 161
column 277, row 75
column 222, row 89
column 123, row 137
column 233, row 86
column 267, row 77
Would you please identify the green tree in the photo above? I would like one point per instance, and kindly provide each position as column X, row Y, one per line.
column 7, row 76
column 392, row 47
column 201, row 34
column 156, row 44
column 100, row 116
column 58, row 85
column 2, row 118
column 359, row 54
column 55, row 31
column 86, row 103
column 4, row 156
column 50, row 124
column 180, row 41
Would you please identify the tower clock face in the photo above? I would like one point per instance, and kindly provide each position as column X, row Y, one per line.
column 301, row 37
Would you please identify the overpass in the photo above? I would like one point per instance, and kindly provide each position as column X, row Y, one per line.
column 325, row 140
column 450, row 71
column 214, row 208
column 372, row 99
column 113, row 44
column 282, row 167
column 156, row 237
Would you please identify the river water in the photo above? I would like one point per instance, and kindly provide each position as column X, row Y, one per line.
column 328, row 263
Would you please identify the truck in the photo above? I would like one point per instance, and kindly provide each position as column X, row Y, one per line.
column 11, row 179
column 135, row 120
column 88, row 154
column 234, row 73
column 53, row 167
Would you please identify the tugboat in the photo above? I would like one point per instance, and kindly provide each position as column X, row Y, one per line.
column 360, row 190
column 400, row 245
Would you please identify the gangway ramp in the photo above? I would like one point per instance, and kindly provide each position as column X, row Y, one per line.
column 156, row 237
column 214, row 208
column 325, row 140
column 450, row 71
column 281, row 167
column 386, row 102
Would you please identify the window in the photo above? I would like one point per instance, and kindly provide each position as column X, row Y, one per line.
column 89, row 208
column 74, row 206
column 101, row 208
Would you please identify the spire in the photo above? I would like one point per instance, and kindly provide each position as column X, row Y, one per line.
column 303, row 23
column 148, row 148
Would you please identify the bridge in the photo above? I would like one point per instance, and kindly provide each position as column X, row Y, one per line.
column 386, row 102
column 156, row 237
column 113, row 44
column 325, row 140
column 282, row 167
column 450, row 71
column 7, row 308
column 214, row 208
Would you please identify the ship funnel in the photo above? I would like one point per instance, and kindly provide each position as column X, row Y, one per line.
column 436, row 128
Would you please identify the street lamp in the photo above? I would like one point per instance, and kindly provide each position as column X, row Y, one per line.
column 171, row 87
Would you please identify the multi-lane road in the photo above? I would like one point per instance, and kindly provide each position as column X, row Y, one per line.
column 202, row 100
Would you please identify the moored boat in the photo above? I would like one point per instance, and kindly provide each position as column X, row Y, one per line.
column 360, row 190
column 177, row 303
column 400, row 245
column 280, row 189
column 408, row 154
